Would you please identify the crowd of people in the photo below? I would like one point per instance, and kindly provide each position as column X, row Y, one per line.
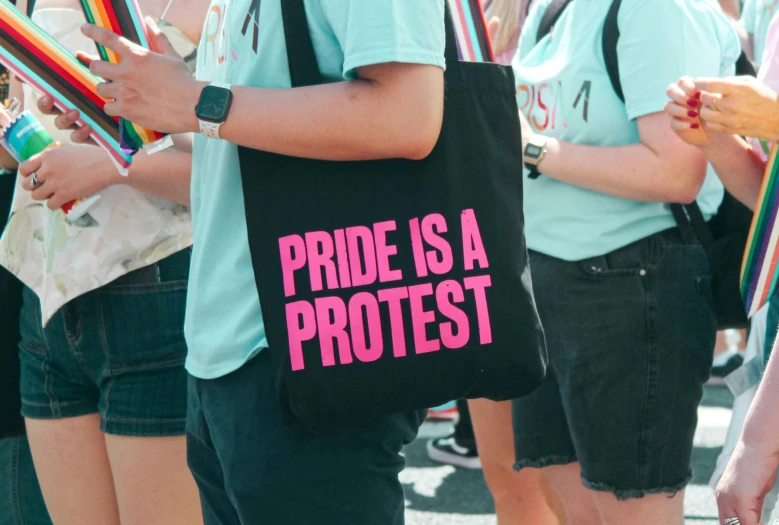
column 148, row 397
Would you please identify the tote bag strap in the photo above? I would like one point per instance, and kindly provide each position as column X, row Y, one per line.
column 303, row 67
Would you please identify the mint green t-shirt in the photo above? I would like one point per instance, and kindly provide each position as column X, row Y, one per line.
column 243, row 45
column 565, row 92
column 756, row 17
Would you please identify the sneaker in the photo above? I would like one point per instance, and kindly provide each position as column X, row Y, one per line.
column 447, row 451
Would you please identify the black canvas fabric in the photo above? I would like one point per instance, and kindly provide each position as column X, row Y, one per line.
column 11, row 422
column 725, row 236
column 470, row 184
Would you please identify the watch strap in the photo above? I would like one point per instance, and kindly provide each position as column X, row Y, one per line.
column 533, row 172
column 210, row 130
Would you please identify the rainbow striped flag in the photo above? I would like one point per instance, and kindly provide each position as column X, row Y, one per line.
column 124, row 18
column 473, row 42
column 41, row 62
column 758, row 271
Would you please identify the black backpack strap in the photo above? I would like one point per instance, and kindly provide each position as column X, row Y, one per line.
column 303, row 66
column 610, row 40
column 551, row 15
column 745, row 67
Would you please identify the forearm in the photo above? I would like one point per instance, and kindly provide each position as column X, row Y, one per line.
column 632, row 172
column 737, row 165
column 363, row 121
column 759, row 430
column 164, row 174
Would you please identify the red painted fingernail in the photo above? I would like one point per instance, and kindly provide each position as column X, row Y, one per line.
column 698, row 95
column 692, row 103
column 695, row 125
column 692, row 113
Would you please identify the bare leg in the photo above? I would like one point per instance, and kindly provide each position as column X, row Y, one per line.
column 73, row 469
column 577, row 501
column 153, row 483
column 649, row 510
column 520, row 497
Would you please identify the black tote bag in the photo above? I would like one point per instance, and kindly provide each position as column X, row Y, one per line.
column 394, row 285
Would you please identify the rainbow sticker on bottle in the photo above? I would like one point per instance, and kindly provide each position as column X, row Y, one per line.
column 26, row 137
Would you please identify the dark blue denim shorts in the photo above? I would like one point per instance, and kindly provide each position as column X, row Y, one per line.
column 252, row 469
column 118, row 351
column 630, row 337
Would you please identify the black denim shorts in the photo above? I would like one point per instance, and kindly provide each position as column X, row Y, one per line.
column 630, row 338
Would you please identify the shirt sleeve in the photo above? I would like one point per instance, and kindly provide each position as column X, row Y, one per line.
column 381, row 31
column 664, row 40
column 769, row 69
column 749, row 16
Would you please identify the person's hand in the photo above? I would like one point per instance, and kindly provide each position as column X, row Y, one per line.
column 152, row 89
column 740, row 106
column 66, row 173
column 748, row 478
column 67, row 121
column 684, row 109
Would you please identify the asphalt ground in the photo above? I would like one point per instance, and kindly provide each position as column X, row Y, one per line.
column 444, row 495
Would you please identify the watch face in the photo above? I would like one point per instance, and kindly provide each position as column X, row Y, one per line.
column 214, row 104
column 533, row 151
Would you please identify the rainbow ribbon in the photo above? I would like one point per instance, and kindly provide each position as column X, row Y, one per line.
column 758, row 271
column 473, row 42
column 41, row 62
column 123, row 18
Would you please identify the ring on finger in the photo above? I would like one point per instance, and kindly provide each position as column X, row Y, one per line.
column 34, row 184
column 714, row 107
column 732, row 521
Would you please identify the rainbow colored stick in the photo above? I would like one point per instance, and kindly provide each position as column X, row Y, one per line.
column 41, row 62
column 124, row 18
column 473, row 42
column 758, row 271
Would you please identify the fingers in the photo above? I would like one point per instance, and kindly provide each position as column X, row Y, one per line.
column 687, row 84
column 681, row 97
column 712, row 85
column 493, row 27
column 716, row 117
column 66, row 121
column 105, row 70
column 108, row 90
column 86, row 58
column 682, row 125
column 158, row 41
column 681, row 112
column 82, row 135
column 712, row 100
column 119, row 45
column 31, row 166
column 46, row 106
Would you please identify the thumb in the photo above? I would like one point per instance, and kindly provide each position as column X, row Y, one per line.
column 158, row 42
column 493, row 27
column 715, row 85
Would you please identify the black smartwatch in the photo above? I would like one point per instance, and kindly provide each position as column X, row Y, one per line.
column 213, row 107
column 534, row 153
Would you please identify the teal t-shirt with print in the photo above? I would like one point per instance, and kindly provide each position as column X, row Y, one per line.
column 243, row 44
column 565, row 92
column 756, row 18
